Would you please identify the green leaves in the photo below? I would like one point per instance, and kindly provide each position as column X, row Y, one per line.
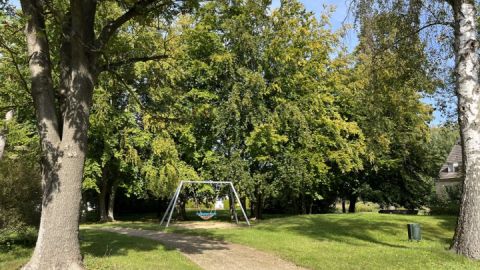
column 264, row 143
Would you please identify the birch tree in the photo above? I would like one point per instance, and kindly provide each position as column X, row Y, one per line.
column 467, row 238
column 464, row 14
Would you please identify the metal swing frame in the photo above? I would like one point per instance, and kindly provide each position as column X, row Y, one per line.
column 173, row 201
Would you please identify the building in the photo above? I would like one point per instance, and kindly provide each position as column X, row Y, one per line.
column 450, row 174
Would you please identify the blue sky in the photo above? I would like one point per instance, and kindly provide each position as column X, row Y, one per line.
column 338, row 19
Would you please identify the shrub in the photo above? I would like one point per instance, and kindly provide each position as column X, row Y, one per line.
column 449, row 205
column 20, row 200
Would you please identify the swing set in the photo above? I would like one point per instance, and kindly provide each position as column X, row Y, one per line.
column 205, row 215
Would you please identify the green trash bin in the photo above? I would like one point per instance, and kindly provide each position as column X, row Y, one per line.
column 414, row 231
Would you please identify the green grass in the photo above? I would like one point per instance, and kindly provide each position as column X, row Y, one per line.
column 15, row 257
column 333, row 241
column 346, row 241
column 105, row 250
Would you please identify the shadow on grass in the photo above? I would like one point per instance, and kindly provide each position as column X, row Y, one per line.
column 355, row 230
column 103, row 244
column 220, row 215
column 119, row 242
column 370, row 228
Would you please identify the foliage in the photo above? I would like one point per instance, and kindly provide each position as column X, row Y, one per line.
column 260, row 94
column 20, row 191
column 391, row 77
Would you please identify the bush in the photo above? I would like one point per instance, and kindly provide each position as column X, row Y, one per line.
column 449, row 205
column 24, row 235
column 20, row 199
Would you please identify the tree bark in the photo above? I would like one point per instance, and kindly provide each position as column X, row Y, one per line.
column 303, row 204
column 63, row 148
column 353, row 202
column 259, row 206
column 467, row 238
column 102, row 200
column 111, row 201
column 182, row 210
column 252, row 209
column 243, row 201
column 344, row 209
column 231, row 206
column 104, row 193
column 63, row 125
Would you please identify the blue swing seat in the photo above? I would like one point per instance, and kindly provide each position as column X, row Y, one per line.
column 206, row 215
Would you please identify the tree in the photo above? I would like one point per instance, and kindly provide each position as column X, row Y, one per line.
column 112, row 158
column 20, row 190
column 262, row 94
column 62, row 95
column 467, row 240
column 391, row 77
column 464, row 14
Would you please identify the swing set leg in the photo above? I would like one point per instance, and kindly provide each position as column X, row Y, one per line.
column 172, row 204
column 241, row 207
column 232, row 207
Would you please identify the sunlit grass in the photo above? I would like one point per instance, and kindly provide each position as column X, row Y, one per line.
column 345, row 241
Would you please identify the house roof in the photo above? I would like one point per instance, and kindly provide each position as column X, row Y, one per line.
column 455, row 156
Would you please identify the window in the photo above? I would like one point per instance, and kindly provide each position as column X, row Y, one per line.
column 453, row 167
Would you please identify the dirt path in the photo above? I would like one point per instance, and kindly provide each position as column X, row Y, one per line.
column 213, row 254
column 206, row 225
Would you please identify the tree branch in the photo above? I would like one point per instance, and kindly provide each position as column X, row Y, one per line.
column 111, row 66
column 128, row 88
column 15, row 63
column 41, row 73
column 137, row 9
column 139, row 103
column 409, row 35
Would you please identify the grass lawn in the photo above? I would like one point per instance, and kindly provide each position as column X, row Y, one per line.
column 346, row 241
column 104, row 250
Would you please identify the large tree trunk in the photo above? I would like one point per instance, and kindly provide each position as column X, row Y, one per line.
column 63, row 123
column 467, row 237
column 59, row 220
column 111, row 201
column 63, row 147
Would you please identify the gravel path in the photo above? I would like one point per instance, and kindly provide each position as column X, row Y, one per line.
column 212, row 254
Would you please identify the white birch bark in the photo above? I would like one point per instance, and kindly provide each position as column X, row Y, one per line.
column 467, row 234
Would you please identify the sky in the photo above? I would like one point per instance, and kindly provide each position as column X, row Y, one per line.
column 339, row 18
